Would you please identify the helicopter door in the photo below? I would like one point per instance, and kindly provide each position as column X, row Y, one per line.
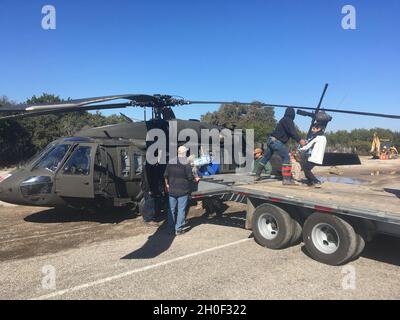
column 75, row 178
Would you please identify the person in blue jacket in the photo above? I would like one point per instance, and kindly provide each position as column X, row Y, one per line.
column 209, row 169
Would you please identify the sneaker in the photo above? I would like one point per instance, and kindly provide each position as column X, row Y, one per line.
column 317, row 184
column 309, row 183
column 179, row 233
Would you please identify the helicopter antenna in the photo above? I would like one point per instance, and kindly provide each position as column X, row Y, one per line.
column 107, row 134
column 126, row 117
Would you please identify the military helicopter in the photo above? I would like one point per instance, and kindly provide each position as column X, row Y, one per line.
column 98, row 167
column 102, row 167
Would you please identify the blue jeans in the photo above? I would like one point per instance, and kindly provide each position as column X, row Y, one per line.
column 274, row 145
column 148, row 208
column 177, row 221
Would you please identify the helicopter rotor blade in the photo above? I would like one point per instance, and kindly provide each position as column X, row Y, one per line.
column 372, row 114
column 13, row 108
column 86, row 104
column 143, row 100
column 135, row 98
column 65, row 110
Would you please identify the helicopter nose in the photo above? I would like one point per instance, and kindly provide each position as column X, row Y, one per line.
column 8, row 190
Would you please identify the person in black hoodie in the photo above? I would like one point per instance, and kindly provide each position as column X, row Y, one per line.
column 284, row 130
column 152, row 185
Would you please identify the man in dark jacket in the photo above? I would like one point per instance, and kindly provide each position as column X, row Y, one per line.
column 178, row 178
column 284, row 130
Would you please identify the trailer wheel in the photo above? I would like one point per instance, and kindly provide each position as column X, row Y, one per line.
column 361, row 236
column 329, row 239
column 272, row 226
column 359, row 247
column 297, row 232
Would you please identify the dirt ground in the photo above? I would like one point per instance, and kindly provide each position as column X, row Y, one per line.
column 31, row 231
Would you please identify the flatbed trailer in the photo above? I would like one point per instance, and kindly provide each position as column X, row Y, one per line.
column 334, row 222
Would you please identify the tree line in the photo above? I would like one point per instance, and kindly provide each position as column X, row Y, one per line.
column 360, row 140
column 21, row 139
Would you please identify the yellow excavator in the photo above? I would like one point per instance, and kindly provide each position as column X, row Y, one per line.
column 376, row 146
column 387, row 152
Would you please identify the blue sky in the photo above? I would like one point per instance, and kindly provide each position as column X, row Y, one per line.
column 273, row 51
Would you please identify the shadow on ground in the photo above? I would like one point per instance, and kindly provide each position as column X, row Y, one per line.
column 396, row 192
column 61, row 215
column 163, row 237
column 384, row 249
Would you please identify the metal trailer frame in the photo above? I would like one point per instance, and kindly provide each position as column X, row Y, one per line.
column 366, row 220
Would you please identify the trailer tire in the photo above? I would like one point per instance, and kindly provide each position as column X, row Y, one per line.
column 297, row 233
column 272, row 226
column 329, row 239
column 359, row 247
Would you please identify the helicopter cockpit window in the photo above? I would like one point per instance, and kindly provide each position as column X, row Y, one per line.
column 125, row 164
column 137, row 163
column 53, row 157
column 79, row 162
column 38, row 156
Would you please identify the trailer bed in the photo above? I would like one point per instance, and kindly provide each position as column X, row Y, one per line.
column 365, row 201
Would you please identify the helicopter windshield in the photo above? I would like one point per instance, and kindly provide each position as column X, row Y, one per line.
column 53, row 157
column 39, row 155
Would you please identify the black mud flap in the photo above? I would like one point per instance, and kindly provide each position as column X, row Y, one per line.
column 330, row 159
column 340, row 159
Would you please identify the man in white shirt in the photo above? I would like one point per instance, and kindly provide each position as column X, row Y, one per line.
column 314, row 152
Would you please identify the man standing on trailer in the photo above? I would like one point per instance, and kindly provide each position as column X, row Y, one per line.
column 284, row 130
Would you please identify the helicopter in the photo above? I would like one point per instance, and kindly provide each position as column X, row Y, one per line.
column 98, row 167
column 102, row 167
